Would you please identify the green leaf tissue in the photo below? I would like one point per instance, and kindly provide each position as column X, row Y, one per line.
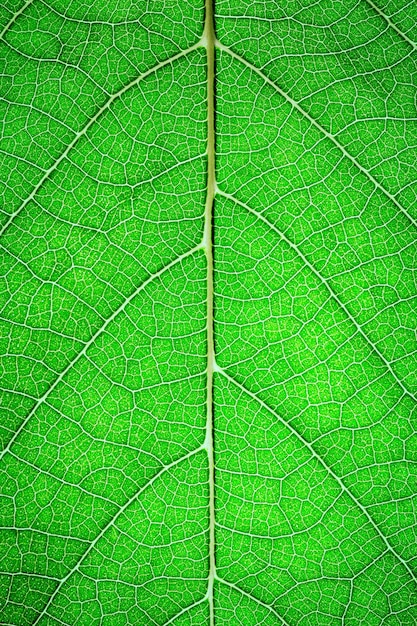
column 208, row 313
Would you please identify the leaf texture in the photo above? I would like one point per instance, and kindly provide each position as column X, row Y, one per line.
column 208, row 316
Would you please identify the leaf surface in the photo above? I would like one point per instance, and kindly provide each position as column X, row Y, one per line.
column 208, row 313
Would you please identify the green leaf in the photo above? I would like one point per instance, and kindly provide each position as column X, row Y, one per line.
column 208, row 316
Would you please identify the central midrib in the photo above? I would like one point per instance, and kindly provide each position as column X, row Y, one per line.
column 210, row 43
column 209, row 40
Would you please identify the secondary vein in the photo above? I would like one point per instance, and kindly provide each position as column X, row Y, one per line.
column 319, row 127
column 90, row 123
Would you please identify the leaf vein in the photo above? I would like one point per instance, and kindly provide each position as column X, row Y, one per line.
column 325, row 282
column 313, row 452
column 316, row 124
column 90, row 123
column 93, row 339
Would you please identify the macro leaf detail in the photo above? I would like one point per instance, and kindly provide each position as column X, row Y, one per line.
column 208, row 313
